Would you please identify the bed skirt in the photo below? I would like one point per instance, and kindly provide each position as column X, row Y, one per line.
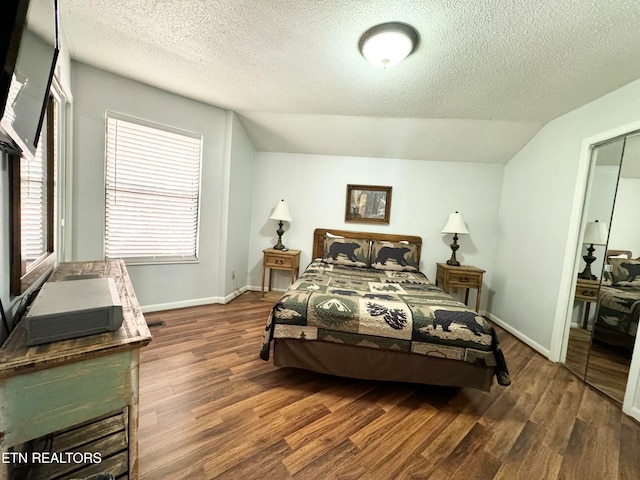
column 374, row 364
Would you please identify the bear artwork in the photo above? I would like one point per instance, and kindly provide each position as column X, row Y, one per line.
column 633, row 269
column 396, row 254
column 347, row 249
column 444, row 318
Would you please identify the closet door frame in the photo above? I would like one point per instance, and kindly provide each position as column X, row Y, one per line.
column 557, row 353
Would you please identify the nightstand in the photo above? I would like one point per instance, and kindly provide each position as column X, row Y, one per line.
column 280, row 260
column 464, row 276
column 587, row 291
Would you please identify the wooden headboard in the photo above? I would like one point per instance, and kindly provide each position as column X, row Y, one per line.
column 618, row 253
column 319, row 233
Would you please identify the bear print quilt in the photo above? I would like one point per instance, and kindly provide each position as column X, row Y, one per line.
column 394, row 310
column 619, row 309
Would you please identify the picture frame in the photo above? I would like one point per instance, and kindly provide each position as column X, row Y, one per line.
column 368, row 204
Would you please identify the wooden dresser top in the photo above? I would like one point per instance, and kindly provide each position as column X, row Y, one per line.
column 17, row 358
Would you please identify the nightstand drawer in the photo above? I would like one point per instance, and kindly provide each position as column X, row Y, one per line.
column 587, row 293
column 464, row 279
column 275, row 261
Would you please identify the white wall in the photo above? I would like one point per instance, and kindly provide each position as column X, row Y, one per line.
column 239, row 159
column 536, row 213
column 424, row 193
column 625, row 227
column 96, row 91
column 63, row 64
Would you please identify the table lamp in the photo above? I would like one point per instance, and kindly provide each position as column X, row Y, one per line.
column 595, row 233
column 455, row 225
column 280, row 213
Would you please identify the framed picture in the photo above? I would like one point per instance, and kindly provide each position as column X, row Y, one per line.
column 368, row 204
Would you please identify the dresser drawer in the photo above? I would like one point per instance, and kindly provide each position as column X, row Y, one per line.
column 464, row 279
column 275, row 261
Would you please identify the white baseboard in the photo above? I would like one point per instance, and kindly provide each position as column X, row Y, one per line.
column 633, row 412
column 182, row 304
column 258, row 289
column 519, row 335
column 235, row 294
column 196, row 302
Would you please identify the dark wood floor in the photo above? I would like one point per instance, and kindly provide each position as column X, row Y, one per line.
column 210, row 408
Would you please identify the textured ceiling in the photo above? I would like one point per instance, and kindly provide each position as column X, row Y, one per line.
column 486, row 75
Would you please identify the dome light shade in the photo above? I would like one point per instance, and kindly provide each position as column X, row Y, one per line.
column 388, row 44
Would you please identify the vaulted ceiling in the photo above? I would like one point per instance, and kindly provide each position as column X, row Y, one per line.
column 486, row 76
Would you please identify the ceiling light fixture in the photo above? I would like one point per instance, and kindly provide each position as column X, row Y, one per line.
column 387, row 44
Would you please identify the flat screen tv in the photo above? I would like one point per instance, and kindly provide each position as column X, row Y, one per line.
column 28, row 52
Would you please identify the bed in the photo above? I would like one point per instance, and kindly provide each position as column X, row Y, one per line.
column 616, row 322
column 362, row 309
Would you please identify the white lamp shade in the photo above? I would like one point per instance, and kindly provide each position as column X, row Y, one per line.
column 455, row 224
column 281, row 212
column 595, row 233
column 388, row 44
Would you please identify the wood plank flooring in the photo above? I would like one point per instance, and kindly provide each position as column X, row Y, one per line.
column 211, row 409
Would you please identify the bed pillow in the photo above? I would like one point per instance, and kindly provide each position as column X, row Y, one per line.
column 625, row 272
column 346, row 251
column 394, row 256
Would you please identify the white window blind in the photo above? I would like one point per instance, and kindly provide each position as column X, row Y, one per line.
column 152, row 191
column 33, row 205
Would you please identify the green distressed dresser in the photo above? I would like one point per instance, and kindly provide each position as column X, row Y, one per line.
column 53, row 387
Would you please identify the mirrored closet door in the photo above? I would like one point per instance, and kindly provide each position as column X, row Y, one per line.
column 606, row 302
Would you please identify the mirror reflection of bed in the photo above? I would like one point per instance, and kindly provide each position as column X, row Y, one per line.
column 615, row 324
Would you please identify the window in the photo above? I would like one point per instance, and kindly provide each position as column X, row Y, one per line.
column 33, row 206
column 152, row 191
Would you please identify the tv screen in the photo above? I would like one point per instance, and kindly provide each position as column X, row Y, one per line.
column 30, row 56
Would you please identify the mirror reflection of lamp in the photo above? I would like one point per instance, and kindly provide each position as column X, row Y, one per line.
column 455, row 224
column 595, row 233
column 280, row 213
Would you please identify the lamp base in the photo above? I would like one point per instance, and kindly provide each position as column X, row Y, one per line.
column 280, row 231
column 453, row 261
column 587, row 275
column 588, row 259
